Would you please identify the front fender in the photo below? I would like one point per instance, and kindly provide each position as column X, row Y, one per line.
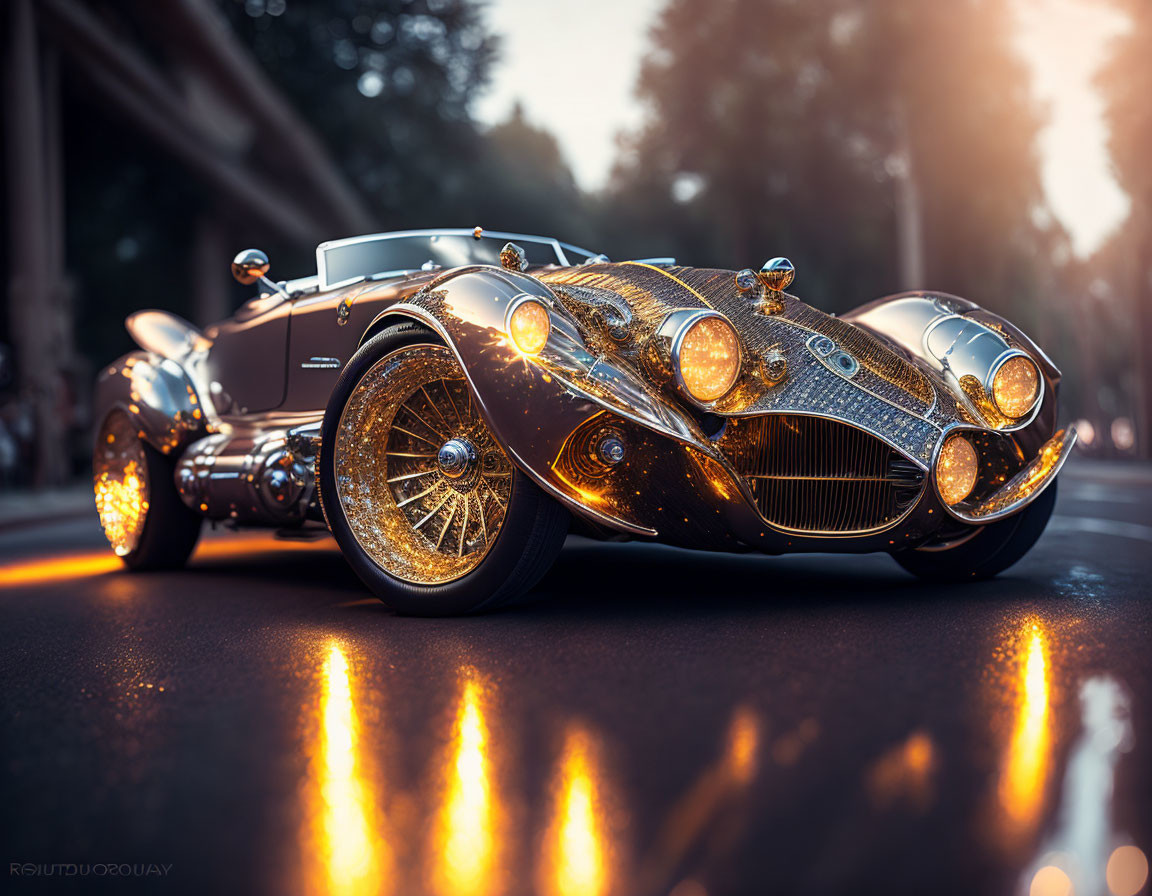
column 533, row 405
column 954, row 337
column 158, row 395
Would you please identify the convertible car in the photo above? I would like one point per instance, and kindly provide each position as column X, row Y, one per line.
column 450, row 403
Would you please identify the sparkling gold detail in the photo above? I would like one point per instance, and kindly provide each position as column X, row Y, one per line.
column 777, row 274
column 529, row 327
column 513, row 258
column 415, row 522
column 956, row 470
column 1015, row 386
column 1035, row 475
column 991, row 415
column 773, row 366
column 120, row 483
column 709, row 358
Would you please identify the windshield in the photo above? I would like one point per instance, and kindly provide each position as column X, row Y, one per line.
column 390, row 254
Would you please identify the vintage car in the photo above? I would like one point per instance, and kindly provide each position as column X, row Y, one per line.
column 449, row 403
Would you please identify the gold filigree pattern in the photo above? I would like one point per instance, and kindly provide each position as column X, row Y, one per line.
column 983, row 403
column 120, row 482
column 419, row 520
column 652, row 292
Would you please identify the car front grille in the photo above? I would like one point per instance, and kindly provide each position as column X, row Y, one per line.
column 814, row 475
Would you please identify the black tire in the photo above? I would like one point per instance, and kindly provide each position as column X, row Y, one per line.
column 531, row 534
column 990, row 551
column 171, row 529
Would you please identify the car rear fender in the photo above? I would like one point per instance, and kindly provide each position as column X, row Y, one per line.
column 157, row 394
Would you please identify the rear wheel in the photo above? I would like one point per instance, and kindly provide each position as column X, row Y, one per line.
column 425, row 504
column 143, row 518
column 990, row 551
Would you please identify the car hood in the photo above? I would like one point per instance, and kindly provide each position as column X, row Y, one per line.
column 883, row 391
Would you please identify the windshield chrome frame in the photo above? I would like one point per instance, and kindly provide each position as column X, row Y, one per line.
column 322, row 270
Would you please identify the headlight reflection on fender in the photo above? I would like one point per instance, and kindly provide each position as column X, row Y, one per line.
column 956, row 470
column 708, row 356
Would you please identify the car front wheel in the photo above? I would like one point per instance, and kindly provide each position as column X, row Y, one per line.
column 990, row 551
column 423, row 501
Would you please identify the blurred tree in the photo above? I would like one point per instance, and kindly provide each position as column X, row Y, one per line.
column 527, row 187
column 1127, row 84
column 882, row 145
column 387, row 84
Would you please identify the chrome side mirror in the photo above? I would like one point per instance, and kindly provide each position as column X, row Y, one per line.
column 251, row 266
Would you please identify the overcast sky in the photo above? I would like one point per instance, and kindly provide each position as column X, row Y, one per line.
column 573, row 66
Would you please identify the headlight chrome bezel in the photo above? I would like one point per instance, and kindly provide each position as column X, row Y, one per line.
column 684, row 325
column 995, row 369
column 954, row 437
column 518, row 304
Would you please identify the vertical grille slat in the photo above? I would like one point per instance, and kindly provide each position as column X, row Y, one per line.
column 814, row 475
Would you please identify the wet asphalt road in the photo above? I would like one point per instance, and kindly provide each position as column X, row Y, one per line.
column 652, row 721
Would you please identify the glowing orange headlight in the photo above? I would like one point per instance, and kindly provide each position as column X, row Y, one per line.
column 709, row 358
column 529, row 326
column 1016, row 386
column 956, row 470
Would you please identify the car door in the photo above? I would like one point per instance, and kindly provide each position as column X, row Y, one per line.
column 246, row 364
column 320, row 348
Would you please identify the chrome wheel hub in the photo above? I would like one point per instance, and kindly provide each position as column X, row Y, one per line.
column 457, row 458
column 421, row 481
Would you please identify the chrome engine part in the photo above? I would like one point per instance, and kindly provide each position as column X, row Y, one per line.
column 255, row 477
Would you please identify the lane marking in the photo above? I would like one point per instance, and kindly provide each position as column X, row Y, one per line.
column 1097, row 526
column 1098, row 494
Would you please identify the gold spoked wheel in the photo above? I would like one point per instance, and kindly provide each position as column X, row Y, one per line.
column 120, row 480
column 421, row 481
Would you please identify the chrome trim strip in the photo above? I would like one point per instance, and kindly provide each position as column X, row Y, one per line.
column 317, row 362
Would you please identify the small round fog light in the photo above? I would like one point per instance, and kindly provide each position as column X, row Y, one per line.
column 956, row 470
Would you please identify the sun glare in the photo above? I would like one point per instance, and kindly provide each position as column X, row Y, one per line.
column 1064, row 43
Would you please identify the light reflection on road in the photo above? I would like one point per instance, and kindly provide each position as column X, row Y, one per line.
column 348, row 852
column 576, row 850
column 64, row 567
column 467, row 835
column 1024, row 775
column 1082, row 849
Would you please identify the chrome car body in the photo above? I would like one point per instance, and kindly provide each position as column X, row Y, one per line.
column 829, row 438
